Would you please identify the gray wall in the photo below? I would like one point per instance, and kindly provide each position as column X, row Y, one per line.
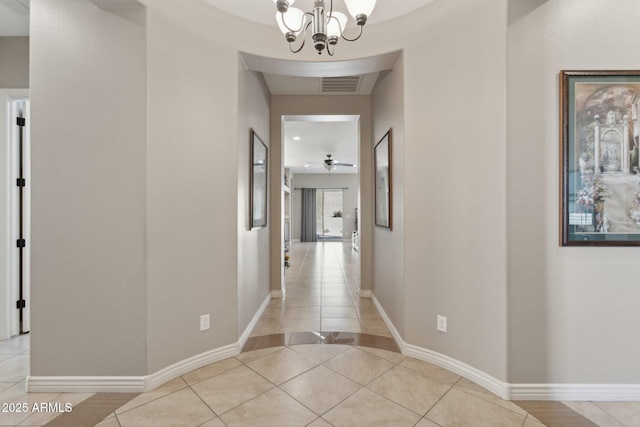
column 88, row 278
column 573, row 311
column 135, row 200
column 325, row 180
column 14, row 62
column 454, row 195
column 387, row 112
column 192, row 187
column 253, row 245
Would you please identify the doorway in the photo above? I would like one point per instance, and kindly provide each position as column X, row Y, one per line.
column 329, row 214
column 288, row 111
column 321, row 152
column 15, row 213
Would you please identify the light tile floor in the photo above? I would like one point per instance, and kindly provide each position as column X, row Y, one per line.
column 14, row 368
column 288, row 383
column 321, row 294
column 319, row 385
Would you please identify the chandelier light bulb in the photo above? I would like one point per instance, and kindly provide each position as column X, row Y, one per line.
column 336, row 24
column 325, row 26
column 290, row 23
column 360, row 9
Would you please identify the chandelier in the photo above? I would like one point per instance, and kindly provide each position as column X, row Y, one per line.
column 326, row 26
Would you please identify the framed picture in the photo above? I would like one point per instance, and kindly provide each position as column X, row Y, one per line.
column 259, row 154
column 382, row 160
column 599, row 157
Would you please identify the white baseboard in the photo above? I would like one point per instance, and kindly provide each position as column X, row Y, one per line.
column 479, row 377
column 364, row 293
column 552, row 392
column 388, row 322
column 139, row 384
column 277, row 293
column 189, row 364
column 576, row 392
column 85, row 384
column 247, row 332
column 132, row 384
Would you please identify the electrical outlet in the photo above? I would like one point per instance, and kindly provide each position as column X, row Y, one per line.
column 442, row 323
column 205, row 322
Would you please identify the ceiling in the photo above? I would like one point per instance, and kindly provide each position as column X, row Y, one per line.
column 264, row 11
column 14, row 18
column 319, row 136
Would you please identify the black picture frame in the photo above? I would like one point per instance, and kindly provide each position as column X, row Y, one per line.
column 599, row 158
column 258, row 181
column 383, row 179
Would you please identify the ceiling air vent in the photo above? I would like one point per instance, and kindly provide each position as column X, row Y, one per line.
column 340, row 84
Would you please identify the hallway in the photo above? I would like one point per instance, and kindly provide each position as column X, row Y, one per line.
column 321, row 294
column 321, row 356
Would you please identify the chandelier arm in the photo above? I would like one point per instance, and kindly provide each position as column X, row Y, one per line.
column 352, row 40
column 304, row 40
column 329, row 50
column 296, row 50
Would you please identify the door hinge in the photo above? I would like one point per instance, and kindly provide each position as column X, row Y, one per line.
column 21, row 182
column 21, row 304
column 21, row 121
column 21, row 243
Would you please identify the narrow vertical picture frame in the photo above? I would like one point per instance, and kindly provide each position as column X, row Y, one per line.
column 259, row 172
column 600, row 158
column 382, row 170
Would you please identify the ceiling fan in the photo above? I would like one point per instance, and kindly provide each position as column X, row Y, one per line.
column 330, row 164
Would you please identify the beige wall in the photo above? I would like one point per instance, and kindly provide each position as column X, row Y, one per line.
column 192, row 189
column 573, row 311
column 387, row 105
column 14, row 62
column 88, row 133
column 253, row 245
column 455, row 197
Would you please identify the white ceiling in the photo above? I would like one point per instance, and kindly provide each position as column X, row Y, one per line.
column 319, row 136
column 14, row 18
column 264, row 11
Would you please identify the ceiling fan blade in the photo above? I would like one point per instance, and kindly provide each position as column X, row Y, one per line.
column 343, row 164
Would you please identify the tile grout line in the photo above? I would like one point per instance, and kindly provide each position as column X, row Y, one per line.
column 603, row 410
column 488, row 401
column 439, row 400
column 427, row 376
column 240, row 404
column 216, row 415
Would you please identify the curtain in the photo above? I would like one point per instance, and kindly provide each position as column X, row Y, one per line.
column 309, row 215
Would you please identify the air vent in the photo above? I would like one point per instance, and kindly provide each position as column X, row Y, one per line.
column 348, row 84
